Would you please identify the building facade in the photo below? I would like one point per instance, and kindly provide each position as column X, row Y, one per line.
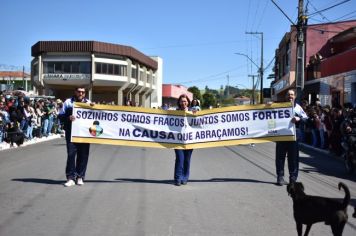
column 11, row 80
column 323, row 42
column 112, row 73
column 171, row 93
column 331, row 72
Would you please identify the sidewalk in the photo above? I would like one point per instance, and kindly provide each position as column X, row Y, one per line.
column 5, row 146
column 308, row 148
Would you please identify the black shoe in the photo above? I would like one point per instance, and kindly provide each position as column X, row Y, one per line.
column 292, row 180
column 281, row 181
column 177, row 183
column 184, row 182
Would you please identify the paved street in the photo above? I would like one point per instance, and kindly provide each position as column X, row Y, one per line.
column 129, row 191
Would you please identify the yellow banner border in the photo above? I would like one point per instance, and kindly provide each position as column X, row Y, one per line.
column 183, row 113
column 182, row 146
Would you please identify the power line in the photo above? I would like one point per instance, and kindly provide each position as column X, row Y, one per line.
column 328, row 8
column 283, row 13
column 324, row 17
column 13, row 68
column 269, row 64
column 262, row 15
column 319, row 13
column 344, row 16
column 254, row 19
column 248, row 14
column 196, row 44
column 212, row 77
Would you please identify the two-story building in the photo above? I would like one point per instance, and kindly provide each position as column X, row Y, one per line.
column 318, row 38
column 331, row 72
column 112, row 73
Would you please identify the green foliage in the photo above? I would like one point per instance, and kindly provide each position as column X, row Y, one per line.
column 196, row 92
column 209, row 99
column 231, row 91
column 227, row 102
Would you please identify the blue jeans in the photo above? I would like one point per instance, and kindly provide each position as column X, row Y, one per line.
column 45, row 127
column 50, row 124
column 77, row 158
column 289, row 148
column 322, row 138
column 315, row 134
column 29, row 132
column 1, row 133
column 182, row 164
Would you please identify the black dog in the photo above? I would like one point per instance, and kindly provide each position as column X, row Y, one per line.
column 312, row 209
column 354, row 215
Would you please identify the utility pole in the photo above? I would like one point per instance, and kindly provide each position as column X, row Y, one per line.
column 228, row 87
column 253, row 88
column 261, row 67
column 299, row 79
column 23, row 77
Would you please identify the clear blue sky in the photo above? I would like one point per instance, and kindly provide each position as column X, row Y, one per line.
column 196, row 39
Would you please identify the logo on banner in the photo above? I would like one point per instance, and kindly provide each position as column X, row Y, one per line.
column 272, row 127
column 95, row 130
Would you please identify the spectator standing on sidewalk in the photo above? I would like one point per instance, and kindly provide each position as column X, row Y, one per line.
column 77, row 153
column 30, row 115
column 289, row 148
column 4, row 121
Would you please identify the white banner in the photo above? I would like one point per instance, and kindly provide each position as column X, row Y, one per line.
column 134, row 126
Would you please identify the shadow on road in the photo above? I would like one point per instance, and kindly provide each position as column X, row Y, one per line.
column 324, row 163
column 57, row 182
column 325, row 166
column 131, row 180
column 222, row 180
column 39, row 181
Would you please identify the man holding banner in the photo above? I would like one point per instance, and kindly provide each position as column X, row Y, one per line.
column 77, row 153
column 289, row 147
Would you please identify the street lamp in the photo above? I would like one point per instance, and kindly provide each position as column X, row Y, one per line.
column 261, row 68
column 245, row 55
column 260, row 71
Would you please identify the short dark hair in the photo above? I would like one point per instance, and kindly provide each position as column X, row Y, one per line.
column 79, row 87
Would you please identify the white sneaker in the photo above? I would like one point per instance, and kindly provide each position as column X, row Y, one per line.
column 80, row 181
column 69, row 183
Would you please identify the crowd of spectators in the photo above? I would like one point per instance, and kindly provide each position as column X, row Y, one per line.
column 25, row 119
column 325, row 127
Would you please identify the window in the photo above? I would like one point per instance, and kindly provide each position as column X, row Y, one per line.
column 98, row 68
column 48, row 67
column 288, row 52
column 35, row 69
column 58, row 67
column 116, row 70
column 134, row 73
column 85, row 67
column 67, row 67
column 104, row 68
column 110, row 69
column 123, row 70
column 75, row 67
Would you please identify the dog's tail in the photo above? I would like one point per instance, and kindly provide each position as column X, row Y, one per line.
column 346, row 201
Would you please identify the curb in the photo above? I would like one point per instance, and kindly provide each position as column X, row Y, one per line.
column 306, row 147
column 6, row 146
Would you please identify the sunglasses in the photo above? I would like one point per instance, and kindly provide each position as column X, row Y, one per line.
column 80, row 91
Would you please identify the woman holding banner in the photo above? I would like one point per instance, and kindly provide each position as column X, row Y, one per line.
column 182, row 163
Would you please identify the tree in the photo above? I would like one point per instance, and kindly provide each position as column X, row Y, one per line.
column 232, row 91
column 196, row 92
column 209, row 99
